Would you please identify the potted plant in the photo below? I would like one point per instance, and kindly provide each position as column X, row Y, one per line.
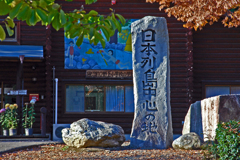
column 4, row 121
column 12, row 118
column 28, row 117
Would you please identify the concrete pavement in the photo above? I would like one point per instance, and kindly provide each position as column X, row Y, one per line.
column 14, row 145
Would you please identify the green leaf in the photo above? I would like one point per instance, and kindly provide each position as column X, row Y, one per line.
column 2, row 33
column 111, row 24
column 10, row 22
column 51, row 16
column 93, row 13
column 34, row 4
column 72, row 32
column 42, row 3
column 22, row 15
column 10, row 31
column 91, row 33
column 80, row 40
column 42, row 15
column 33, row 18
column 56, row 6
column 67, row 26
column 13, row 13
column 49, row 2
column 100, row 38
column 90, row 1
column 63, row 19
column 118, row 25
column 56, row 22
column 105, row 32
column 121, row 18
column 4, row 8
column 9, row 1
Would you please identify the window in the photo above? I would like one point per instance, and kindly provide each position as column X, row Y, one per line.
column 12, row 38
column 221, row 90
column 94, row 98
column 99, row 98
column 15, row 38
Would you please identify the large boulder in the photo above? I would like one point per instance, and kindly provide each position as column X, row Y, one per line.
column 188, row 141
column 203, row 116
column 88, row 133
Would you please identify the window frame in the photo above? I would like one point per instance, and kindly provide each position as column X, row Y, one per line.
column 97, row 83
column 17, row 31
column 218, row 83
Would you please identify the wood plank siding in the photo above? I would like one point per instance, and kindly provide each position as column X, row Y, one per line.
column 9, row 66
column 180, row 47
column 216, row 57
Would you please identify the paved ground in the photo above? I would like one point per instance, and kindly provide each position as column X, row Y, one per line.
column 10, row 146
column 14, row 145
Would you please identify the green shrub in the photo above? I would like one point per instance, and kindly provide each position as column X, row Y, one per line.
column 227, row 144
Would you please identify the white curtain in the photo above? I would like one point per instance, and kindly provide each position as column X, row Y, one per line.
column 129, row 99
column 74, row 98
column 115, row 98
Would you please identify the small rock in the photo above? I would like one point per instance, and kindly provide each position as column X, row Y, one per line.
column 188, row 141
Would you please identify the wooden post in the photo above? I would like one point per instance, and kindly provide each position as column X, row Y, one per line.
column 48, row 73
column 43, row 111
column 189, row 45
column 2, row 96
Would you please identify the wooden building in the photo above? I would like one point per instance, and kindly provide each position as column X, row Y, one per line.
column 197, row 59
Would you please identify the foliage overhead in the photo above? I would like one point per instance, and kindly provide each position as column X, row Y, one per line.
column 197, row 13
column 75, row 23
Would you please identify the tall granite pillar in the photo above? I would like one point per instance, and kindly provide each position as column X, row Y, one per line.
column 152, row 124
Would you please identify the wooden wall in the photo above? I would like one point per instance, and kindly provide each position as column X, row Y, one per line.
column 180, row 48
column 8, row 68
column 216, row 57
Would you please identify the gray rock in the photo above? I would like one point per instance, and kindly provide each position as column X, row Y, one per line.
column 203, row 116
column 88, row 133
column 188, row 141
column 152, row 124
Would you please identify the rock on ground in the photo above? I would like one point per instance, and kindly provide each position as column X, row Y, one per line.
column 188, row 141
column 203, row 116
column 88, row 133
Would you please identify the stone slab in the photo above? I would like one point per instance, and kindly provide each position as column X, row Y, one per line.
column 203, row 116
column 152, row 124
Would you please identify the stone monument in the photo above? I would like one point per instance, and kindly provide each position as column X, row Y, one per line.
column 203, row 116
column 152, row 124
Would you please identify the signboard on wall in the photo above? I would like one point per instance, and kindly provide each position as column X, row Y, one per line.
column 17, row 92
column 117, row 55
column 109, row 74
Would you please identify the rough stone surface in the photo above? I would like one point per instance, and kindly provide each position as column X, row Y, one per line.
column 152, row 124
column 88, row 133
column 203, row 116
column 188, row 141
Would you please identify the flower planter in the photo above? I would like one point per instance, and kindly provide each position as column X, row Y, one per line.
column 28, row 131
column 5, row 132
column 12, row 132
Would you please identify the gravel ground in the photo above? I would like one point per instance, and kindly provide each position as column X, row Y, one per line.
column 61, row 151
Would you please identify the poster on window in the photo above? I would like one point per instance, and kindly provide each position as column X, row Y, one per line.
column 117, row 53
